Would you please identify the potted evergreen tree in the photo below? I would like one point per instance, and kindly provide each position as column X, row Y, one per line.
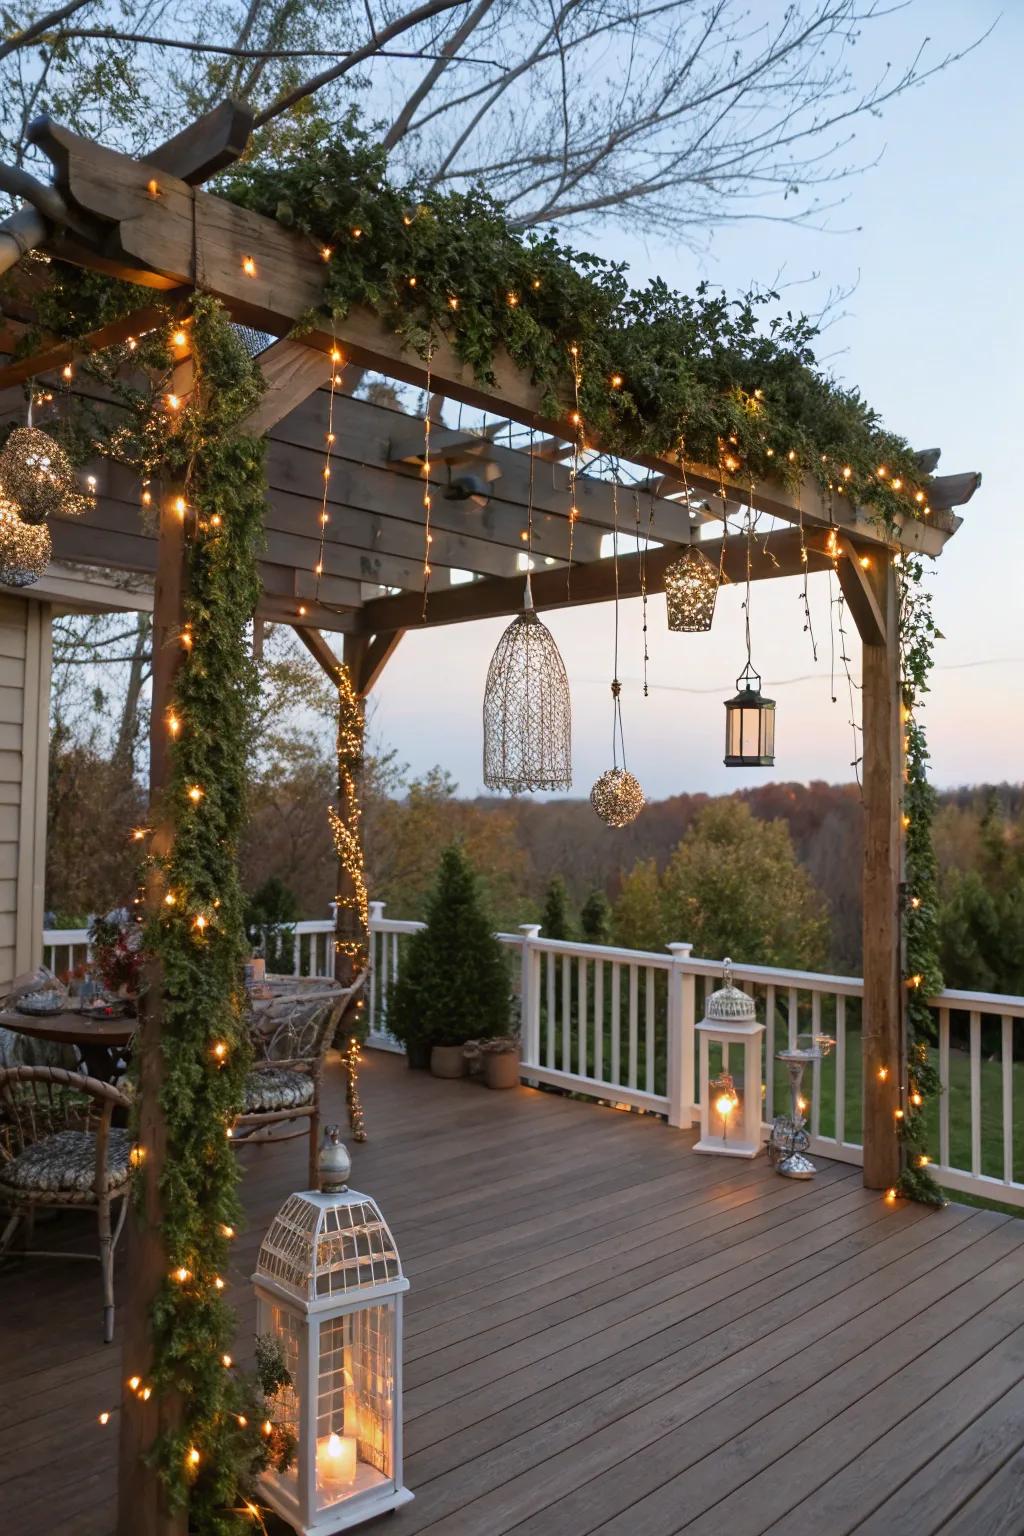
column 453, row 984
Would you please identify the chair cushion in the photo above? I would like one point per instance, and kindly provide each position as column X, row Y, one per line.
column 276, row 1088
column 66, row 1161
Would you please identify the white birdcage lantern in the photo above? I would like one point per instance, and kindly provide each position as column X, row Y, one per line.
column 329, row 1290
column 730, row 1087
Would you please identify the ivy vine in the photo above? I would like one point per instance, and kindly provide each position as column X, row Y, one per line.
column 197, row 933
column 922, row 968
column 654, row 363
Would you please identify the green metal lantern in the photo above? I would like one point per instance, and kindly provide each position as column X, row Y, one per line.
column 749, row 724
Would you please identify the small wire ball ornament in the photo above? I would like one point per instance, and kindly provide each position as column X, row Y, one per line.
column 617, row 797
column 527, row 709
column 25, row 548
column 37, row 475
column 691, row 587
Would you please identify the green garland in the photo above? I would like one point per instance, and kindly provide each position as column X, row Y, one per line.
column 198, row 936
column 654, row 366
column 922, row 968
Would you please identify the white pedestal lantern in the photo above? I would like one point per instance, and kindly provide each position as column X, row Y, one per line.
column 730, row 1104
column 329, row 1289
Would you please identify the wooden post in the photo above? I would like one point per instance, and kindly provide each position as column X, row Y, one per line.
column 883, row 1033
column 142, row 1508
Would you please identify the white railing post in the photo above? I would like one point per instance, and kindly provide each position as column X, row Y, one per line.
column 376, row 913
column 680, row 1038
column 529, row 997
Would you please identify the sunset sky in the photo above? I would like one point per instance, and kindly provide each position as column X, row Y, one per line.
column 933, row 336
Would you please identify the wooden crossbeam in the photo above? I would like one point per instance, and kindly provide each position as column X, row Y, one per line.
column 780, row 555
column 859, row 590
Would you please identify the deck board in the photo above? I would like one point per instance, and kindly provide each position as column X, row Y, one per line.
column 607, row 1333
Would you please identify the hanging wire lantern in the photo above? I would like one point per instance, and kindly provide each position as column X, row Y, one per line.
column 691, row 587
column 25, row 548
column 527, row 710
column 37, row 475
column 617, row 797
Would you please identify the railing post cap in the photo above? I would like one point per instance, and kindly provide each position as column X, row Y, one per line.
column 530, row 930
column 376, row 908
column 680, row 951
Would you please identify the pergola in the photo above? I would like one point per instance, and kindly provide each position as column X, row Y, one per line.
column 148, row 222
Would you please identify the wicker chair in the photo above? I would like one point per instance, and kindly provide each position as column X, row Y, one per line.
column 59, row 1150
column 291, row 1037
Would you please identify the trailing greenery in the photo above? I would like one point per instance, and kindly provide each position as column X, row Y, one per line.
column 196, row 932
column 655, row 367
column 454, row 984
column 922, row 966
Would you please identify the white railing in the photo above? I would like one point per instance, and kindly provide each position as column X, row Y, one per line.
column 619, row 1025
column 312, row 948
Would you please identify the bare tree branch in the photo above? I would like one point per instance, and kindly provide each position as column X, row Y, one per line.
column 432, row 76
column 32, row 32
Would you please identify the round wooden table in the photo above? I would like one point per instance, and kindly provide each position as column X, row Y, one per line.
column 99, row 1041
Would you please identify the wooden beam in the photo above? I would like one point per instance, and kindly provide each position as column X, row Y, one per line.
column 858, row 588
column 292, row 372
column 142, row 1507
column 591, row 583
column 53, row 353
column 270, row 276
column 210, row 144
column 375, row 658
column 318, row 648
column 882, row 1031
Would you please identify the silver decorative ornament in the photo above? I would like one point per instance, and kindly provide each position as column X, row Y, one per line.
column 617, row 797
column 25, row 548
column 527, row 710
column 36, row 474
column 691, row 587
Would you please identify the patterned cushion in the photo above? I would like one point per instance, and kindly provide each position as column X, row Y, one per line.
column 66, row 1161
column 276, row 1088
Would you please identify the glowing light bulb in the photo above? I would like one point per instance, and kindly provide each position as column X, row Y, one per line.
column 67, row 372
column 227, row 1231
column 180, row 505
column 193, row 1457
column 135, row 1382
column 881, row 471
column 335, row 355
column 153, row 187
column 169, row 899
column 179, row 339
column 326, row 253
column 200, row 923
column 195, row 794
column 225, row 1361
column 218, row 1285
column 890, row 1195
column 220, row 1050
column 916, row 1100
column 512, row 299
column 104, row 1417
column 883, row 1074
column 412, row 282
column 847, row 472
column 897, row 484
column 248, row 266
column 181, row 1274
column 453, row 302
column 616, row 381
column 865, row 563
column 173, row 724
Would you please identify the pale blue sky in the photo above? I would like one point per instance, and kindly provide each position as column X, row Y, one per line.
column 934, row 338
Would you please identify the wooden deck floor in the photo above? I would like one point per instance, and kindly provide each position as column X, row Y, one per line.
column 609, row 1333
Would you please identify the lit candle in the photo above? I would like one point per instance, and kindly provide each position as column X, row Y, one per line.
column 336, row 1458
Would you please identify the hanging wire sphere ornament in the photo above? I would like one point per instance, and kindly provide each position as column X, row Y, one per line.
column 25, row 548
column 527, row 710
column 37, row 475
column 691, row 586
column 617, row 797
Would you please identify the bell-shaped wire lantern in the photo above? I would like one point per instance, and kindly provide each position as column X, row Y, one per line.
column 527, row 710
column 25, row 548
column 691, row 587
column 749, row 724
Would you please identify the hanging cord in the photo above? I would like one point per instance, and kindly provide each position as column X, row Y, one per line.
column 804, row 593
column 750, row 568
column 574, row 463
column 428, row 537
column 528, row 600
column 328, row 450
column 618, row 736
column 643, row 572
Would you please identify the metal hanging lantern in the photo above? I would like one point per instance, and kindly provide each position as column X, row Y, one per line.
column 749, row 724
column 329, row 1289
column 37, row 475
column 691, row 587
column 527, row 710
column 25, row 549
